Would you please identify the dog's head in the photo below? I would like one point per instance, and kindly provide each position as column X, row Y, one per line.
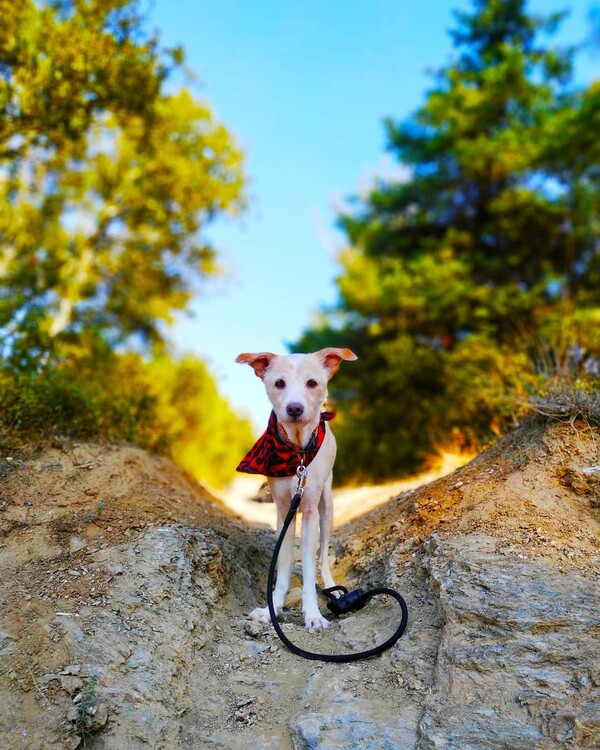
column 297, row 383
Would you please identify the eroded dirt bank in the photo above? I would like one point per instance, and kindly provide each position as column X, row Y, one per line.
column 124, row 588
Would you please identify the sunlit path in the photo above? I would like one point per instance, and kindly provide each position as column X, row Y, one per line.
column 349, row 502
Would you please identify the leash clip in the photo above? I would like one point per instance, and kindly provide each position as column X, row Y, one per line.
column 302, row 474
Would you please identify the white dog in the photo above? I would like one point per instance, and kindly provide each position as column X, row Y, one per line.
column 297, row 387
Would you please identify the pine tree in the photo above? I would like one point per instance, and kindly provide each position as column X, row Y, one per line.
column 455, row 274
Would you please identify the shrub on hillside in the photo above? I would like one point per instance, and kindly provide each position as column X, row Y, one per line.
column 166, row 406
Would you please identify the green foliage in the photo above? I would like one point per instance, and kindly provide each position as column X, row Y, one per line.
column 456, row 275
column 106, row 182
column 205, row 435
column 66, row 62
column 106, row 401
column 165, row 406
column 86, row 704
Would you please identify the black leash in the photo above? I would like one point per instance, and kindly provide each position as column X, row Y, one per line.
column 350, row 601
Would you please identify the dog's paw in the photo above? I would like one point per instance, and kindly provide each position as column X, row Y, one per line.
column 315, row 624
column 261, row 614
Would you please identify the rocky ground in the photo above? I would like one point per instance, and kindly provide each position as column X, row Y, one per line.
column 124, row 588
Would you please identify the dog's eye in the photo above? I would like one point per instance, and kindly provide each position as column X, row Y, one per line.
column 280, row 383
column 311, row 383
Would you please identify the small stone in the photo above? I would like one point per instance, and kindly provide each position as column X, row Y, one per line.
column 253, row 628
column 71, row 684
column 76, row 544
column 98, row 719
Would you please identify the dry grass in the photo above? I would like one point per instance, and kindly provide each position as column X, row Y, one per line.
column 568, row 403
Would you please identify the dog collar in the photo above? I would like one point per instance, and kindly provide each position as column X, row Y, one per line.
column 274, row 455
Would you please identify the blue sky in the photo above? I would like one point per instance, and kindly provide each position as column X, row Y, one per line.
column 304, row 85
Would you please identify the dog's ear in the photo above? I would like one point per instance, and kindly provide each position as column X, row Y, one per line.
column 331, row 358
column 258, row 362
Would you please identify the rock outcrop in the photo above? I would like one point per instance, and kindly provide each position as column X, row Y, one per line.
column 125, row 586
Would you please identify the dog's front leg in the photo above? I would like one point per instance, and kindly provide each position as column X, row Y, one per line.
column 313, row 619
column 326, row 523
column 284, row 571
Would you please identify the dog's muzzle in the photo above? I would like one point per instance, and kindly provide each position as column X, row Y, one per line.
column 294, row 411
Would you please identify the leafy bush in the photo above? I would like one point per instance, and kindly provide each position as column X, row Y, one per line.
column 165, row 406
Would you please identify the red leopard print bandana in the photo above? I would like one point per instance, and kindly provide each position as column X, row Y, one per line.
column 273, row 455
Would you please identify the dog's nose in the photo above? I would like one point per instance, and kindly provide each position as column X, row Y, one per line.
column 294, row 410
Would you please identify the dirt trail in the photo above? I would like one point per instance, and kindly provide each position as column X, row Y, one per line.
column 124, row 588
column 349, row 502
